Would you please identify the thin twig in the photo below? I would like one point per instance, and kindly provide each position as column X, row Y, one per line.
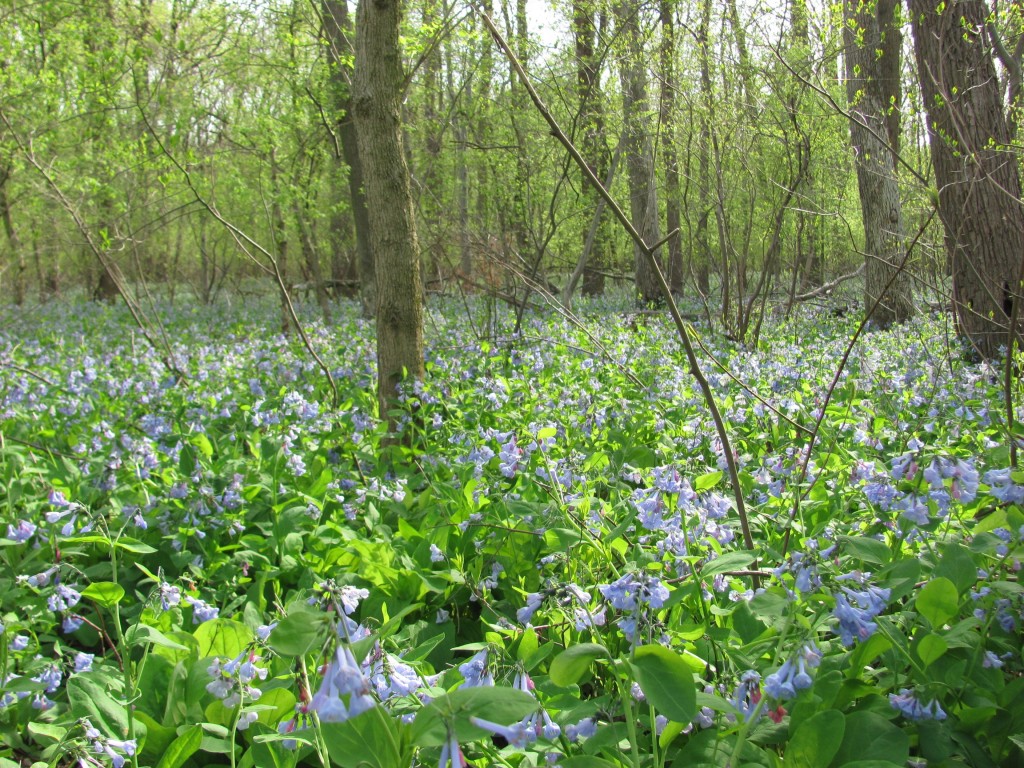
column 648, row 252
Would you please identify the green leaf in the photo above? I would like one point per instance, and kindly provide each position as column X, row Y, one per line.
column 128, row 544
column 869, row 736
column 89, row 696
column 297, row 633
column 158, row 738
column 182, row 748
column 931, row 648
column 572, row 663
column 865, row 549
column 202, row 442
column 730, row 561
column 938, row 601
column 139, row 634
column 666, row 681
column 369, row 739
column 957, row 565
column 222, row 637
column 709, row 480
column 46, row 731
column 546, row 432
column 105, row 594
column 499, row 705
column 815, row 741
column 584, row 761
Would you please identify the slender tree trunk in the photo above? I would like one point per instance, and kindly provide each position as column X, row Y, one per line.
column 704, row 153
column 16, row 256
column 377, row 102
column 643, row 196
column 338, row 32
column 668, row 122
column 519, row 222
column 976, row 173
column 280, row 242
column 593, row 144
column 872, row 45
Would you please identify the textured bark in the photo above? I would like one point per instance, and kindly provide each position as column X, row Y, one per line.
column 703, row 267
column 872, row 58
column 338, row 31
column 594, row 143
column 979, row 186
column 16, row 256
column 643, row 196
column 668, row 116
column 377, row 96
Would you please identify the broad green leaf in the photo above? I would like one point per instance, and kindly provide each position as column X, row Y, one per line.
column 815, row 741
column 128, row 544
column 730, row 561
column 865, row 549
column 90, row 696
column 666, row 681
column 957, row 565
column 222, row 637
column 499, row 705
column 297, row 633
column 202, row 442
column 369, row 740
column 938, row 601
column 138, row 634
column 158, row 737
column 105, row 594
column 709, row 480
column 42, row 732
column 572, row 663
column 182, row 748
column 931, row 648
column 869, row 736
column 585, row 761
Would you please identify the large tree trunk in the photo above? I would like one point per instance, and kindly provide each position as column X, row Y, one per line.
column 377, row 103
column 338, row 31
column 872, row 56
column 979, row 186
column 643, row 196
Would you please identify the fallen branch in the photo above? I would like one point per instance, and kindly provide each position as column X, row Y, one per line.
column 821, row 290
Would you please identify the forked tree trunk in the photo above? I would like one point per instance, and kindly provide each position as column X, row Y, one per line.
column 338, row 31
column 872, row 44
column 979, row 186
column 377, row 102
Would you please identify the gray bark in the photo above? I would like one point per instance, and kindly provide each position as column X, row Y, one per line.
column 643, row 196
column 377, row 102
column 872, row 56
column 976, row 173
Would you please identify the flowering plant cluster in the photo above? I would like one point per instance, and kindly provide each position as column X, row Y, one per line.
column 550, row 568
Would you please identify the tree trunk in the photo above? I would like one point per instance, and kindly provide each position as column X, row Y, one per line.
column 338, row 31
column 16, row 258
column 377, row 102
column 593, row 144
column 643, row 196
column 872, row 60
column 704, row 154
column 668, row 117
column 979, row 186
